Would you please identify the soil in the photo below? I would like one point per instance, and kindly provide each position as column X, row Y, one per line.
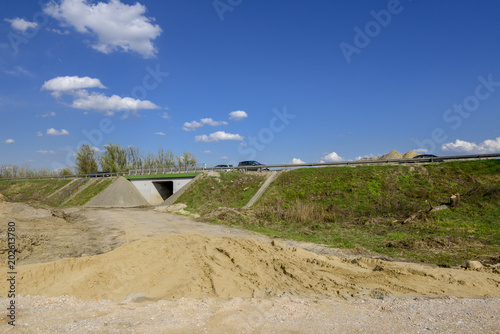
column 128, row 270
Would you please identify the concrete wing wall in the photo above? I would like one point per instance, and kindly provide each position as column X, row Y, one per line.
column 156, row 191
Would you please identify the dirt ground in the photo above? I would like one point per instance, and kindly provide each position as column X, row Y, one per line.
column 85, row 270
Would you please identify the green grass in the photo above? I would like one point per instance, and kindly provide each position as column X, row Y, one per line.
column 377, row 208
column 31, row 190
column 230, row 189
column 157, row 176
column 86, row 194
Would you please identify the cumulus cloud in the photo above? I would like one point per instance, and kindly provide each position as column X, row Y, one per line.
column 54, row 132
column 21, row 24
column 85, row 100
column 332, row 157
column 191, row 126
column 218, row 136
column 39, row 134
column 160, row 133
column 116, row 25
column 9, row 141
column 45, row 152
column 100, row 102
column 165, row 115
column 69, row 84
column 297, row 161
column 237, row 115
column 462, row 146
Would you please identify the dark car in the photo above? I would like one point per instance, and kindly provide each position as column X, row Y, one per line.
column 252, row 165
column 226, row 168
column 101, row 174
column 429, row 157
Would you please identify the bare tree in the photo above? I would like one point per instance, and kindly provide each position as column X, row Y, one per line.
column 134, row 157
column 165, row 159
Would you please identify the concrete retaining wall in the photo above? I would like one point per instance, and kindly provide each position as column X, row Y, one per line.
column 156, row 191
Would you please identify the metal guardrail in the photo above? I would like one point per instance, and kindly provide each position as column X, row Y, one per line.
column 84, row 180
column 195, row 169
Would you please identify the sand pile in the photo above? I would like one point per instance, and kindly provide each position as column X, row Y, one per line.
column 175, row 266
column 120, row 194
column 3, row 198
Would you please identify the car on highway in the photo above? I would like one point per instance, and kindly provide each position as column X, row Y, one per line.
column 226, row 168
column 101, row 174
column 252, row 165
column 430, row 157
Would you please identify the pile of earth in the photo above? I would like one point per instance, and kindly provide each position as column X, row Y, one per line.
column 195, row 266
column 393, row 155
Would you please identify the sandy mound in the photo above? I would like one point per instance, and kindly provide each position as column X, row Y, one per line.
column 392, row 155
column 174, row 266
column 410, row 155
column 3, row 198
column 120, row 194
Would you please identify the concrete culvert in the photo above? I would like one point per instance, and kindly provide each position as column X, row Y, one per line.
column 120, row 194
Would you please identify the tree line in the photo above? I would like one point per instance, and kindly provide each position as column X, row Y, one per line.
column 115, row 159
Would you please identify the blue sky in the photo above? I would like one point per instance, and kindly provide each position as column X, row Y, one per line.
column 232, row 80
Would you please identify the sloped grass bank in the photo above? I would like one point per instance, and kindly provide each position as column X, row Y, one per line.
column 91, row 191
column 37, row 191
column 221, row 189
column 31, row 190
column 384, row 209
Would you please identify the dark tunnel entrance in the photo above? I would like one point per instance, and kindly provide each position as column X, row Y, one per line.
column 164, row 188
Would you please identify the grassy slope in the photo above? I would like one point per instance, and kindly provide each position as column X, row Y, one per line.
column 230, row 189
column 31, row 190
column 368, row 207
column 36, row 191
column 91, row 191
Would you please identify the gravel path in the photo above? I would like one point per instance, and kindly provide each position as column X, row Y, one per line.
column 275, row 315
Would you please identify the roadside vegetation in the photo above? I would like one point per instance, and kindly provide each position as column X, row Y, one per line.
column 46, row 192
column 382, row 209
column 221, row 190
column 92, row 190
column 31, row 190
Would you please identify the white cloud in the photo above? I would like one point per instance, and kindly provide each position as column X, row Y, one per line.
column 461, row 146
column 9, row 141
column 45, row 152
column 421, row 150
column 207, row 152
column 160, row 133
column 237, row 115
column 118, row 26
column 191, row 126
column 108, row 104
column 297, row 161
column 224, row 158
column 50, row 114
column 218, row 136
column 54, row 132
column 332, row 157
column 95, row 149
column 211, row 122
column 39, row 134
column 68, row 84
column 82, row 99
column 165, row 115
column 21, row 24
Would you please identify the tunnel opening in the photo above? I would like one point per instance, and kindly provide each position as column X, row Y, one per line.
column 165, row 188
